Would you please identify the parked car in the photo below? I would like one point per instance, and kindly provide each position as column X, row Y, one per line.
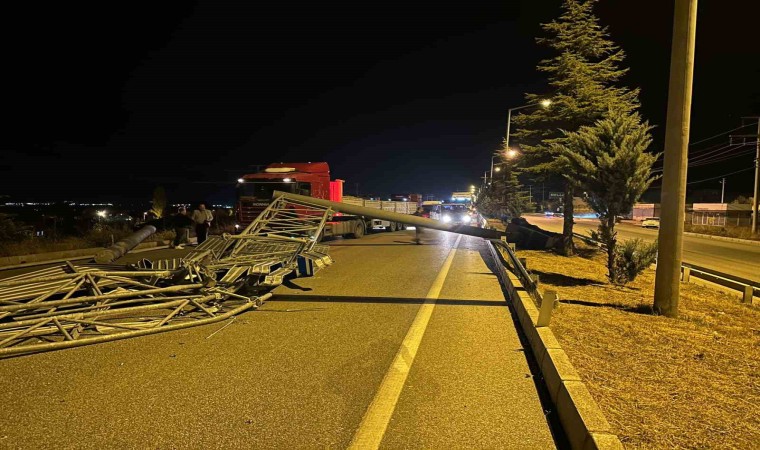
column 651, row 222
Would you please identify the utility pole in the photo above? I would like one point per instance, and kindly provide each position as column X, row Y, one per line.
column 722, row 189
column 757, row 179
column 667, row 287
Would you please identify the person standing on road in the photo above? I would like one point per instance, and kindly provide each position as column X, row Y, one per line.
column 418, row 230
column 182, row 224
column 202, row 218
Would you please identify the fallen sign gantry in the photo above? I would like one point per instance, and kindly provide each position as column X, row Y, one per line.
column 71, row 305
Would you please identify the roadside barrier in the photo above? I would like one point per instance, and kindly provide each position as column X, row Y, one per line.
column 583, row 421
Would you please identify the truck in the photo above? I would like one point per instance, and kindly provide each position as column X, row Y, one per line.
column 254, row 193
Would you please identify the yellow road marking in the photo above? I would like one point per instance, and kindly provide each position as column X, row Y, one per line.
column 378, row 415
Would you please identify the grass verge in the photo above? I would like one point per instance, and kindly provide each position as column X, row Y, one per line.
column 726, row 231
column 688, row 382
column 32, row 246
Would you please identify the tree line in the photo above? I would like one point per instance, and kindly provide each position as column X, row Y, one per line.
column 591, row 138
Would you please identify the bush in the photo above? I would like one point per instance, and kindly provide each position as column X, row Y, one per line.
column 11, row 229
column 632, row 257
column 101, row 236
column 106, row 235
column 727, row 231
column 31, row 246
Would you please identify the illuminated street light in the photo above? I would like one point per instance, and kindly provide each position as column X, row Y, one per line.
column 511, row 153
column 102, row 213
column 240, row 180
column 545, row 103
column 497, row 169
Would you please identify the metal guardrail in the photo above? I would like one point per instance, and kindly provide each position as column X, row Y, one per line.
column 747, row 288
column 526, row 279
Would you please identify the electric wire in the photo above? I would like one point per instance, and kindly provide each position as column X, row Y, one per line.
column 725, row 158
column 716, row 158
column 721, row 176
column 720, row 134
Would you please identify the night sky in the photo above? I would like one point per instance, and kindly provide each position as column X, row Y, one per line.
column 107, row 100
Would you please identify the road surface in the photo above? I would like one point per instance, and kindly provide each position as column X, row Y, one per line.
column 316, row 367
column 735, row 258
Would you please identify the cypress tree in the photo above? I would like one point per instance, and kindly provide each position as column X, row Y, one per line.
column 502, row 197
column 582, row 77
column 609, row 161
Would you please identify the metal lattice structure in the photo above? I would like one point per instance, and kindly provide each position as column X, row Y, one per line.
column 71, row 305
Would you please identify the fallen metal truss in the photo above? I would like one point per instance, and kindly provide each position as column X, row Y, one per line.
column 71, row 305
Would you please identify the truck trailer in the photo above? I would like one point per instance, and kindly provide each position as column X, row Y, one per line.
column 254, row 193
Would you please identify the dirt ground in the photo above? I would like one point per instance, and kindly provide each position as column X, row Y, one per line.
column 689, row 382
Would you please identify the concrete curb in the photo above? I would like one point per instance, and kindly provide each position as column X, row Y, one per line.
column 12, row 262
column 582, row 419
column 722, row 238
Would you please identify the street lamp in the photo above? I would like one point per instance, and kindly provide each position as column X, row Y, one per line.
column 545, row 103
column 492, row 158
column 509, row 154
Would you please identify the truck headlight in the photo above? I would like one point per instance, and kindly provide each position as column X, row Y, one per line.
column 447, row 219
column 466, row 219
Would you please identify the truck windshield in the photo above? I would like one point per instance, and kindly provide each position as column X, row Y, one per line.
column 455, row 208
column 264, row 190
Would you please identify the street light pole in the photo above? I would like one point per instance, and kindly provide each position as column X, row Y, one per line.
column 544, row 103
column 757, row 179
column 509, row 121
column 722, row 189
column 667, row 287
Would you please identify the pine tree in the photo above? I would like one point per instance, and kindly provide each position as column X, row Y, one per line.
column 609, row 162
column 502, row 197
column 581, row 88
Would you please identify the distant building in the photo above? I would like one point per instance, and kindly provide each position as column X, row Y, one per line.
column 643, row 210
column 720, row 214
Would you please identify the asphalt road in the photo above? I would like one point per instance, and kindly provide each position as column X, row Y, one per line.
column 735, row 258
column 302, row 371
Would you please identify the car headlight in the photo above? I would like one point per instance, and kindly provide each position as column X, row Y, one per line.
column 466, row 219
column 447, row 219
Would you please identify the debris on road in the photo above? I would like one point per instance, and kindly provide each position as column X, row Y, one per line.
column 71, row 305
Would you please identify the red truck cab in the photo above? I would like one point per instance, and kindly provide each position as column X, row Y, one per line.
column 254, row 191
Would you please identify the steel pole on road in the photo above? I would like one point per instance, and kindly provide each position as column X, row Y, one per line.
column 673, row 197
column 391, row 216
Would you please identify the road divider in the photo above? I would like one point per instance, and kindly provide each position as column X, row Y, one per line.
column 583, row 421
column 17, row 262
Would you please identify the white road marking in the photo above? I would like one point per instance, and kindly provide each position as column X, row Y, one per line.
column 378, row 415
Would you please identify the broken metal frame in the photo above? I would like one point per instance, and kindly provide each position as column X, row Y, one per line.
column 72, row 305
